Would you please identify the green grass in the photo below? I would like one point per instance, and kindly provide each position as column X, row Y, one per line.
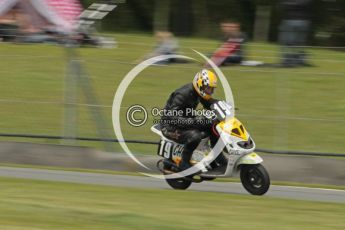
column 30, row 204
column 287, row 109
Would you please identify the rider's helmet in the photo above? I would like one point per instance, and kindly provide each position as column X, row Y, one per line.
column 204, row 83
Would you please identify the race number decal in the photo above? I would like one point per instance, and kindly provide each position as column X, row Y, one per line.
column 222, row 109
column 168, row 149
column 165, row 149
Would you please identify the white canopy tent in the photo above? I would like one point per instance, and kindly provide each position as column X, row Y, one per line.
column 58, row 14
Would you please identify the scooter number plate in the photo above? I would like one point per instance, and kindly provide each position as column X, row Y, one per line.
column 166, row 149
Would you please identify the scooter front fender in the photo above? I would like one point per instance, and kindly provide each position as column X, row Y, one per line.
column 250, row 159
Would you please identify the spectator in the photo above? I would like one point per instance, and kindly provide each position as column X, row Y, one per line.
column 293, row 32
column 166, row 44
column 231, row 50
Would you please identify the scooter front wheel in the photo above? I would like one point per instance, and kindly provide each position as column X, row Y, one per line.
column 255, row 179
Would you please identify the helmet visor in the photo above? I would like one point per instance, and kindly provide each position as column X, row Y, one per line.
column 208, row 90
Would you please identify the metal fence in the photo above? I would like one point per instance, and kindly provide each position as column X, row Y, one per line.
column 279, row 152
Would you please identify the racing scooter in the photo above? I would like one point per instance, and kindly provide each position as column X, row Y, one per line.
column 237, row 155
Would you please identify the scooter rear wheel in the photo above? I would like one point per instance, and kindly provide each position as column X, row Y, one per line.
column 176, row 183
column 179, row 183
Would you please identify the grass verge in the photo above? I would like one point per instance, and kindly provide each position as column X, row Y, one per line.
column 30, row 204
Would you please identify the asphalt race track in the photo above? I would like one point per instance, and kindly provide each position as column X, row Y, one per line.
column 300, row 193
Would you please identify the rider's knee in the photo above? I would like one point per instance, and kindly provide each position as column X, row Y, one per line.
column 195, row 138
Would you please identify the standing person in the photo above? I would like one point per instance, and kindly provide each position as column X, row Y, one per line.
column 293, row 33
column 231, row 50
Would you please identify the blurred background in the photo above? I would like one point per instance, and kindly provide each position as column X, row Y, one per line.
column 63, row 60
column 260, row 19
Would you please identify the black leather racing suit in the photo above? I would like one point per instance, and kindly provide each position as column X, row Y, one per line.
column 186, row 128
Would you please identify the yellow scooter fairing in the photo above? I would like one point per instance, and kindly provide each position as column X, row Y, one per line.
column 235, row 128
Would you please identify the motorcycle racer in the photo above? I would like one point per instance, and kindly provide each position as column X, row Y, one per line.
column 188, row 129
